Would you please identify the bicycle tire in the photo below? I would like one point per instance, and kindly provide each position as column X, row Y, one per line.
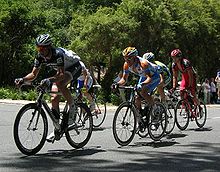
column 100, row 113
column 80, row 135
column 170, row 117
column 201, row 116
column 125, row 117
column 25, row 141
column 158, row 122
column 182, row 112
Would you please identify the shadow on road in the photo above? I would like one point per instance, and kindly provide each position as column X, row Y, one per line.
column 158, row 144
column 201, row 156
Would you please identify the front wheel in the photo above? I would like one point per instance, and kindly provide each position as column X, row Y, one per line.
column 30, row 129
column 124, row 124
column 170, row 117
column 182, row 112
column 201, row 115
column 79, row 134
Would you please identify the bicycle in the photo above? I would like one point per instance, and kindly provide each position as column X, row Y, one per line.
column 127, row 120
column 186, row 110
column 31, row 125
column 99, row 113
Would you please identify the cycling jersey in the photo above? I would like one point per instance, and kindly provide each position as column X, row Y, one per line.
column 185, row 65
column 165, row 72
column 61, row 58
column 152, row 70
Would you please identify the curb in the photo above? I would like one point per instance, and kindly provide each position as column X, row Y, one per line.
column 111, row 107
column 23, row 102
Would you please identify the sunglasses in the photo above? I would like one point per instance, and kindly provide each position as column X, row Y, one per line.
column 128, row 58
column 41, row 48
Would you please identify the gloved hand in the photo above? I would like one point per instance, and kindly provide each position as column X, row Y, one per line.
column 19, row 81
column 139, row 87
column 46, row 83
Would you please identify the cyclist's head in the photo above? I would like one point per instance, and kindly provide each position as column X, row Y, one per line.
column 176, row 53
column 43, row 40
column 149, row 56
column 130, row 52
column 43, row 43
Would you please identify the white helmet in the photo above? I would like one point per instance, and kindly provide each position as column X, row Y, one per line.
column 149, row 56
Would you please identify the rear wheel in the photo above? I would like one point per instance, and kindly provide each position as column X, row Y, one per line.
column 30, row 129
column 158, row 121
column 78, row 135
column 124, row 124
column 182, row 112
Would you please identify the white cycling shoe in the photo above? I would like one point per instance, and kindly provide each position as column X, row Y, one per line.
column 51, row 137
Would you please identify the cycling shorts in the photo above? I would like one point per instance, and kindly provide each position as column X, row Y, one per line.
column 185, row 85
column 153, row 84
column 80, row 84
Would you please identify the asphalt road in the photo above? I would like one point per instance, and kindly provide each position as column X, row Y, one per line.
column 190, row 150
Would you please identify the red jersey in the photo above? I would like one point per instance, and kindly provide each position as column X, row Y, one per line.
column 184, row 66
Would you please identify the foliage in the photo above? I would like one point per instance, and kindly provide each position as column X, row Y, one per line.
column 98, row 30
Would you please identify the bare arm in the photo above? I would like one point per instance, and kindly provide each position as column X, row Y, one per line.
column 175, row 74
column 31, row 76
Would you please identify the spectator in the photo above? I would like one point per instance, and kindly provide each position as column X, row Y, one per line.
column 213, row 96
column 207, row 91
column 217, row 80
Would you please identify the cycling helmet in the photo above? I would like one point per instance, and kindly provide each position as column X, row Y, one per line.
column 130, row 52
column 149, row 56
column 43, row 40
column 176, row 53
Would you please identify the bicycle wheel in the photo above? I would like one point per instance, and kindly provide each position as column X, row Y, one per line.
column 201, row 115
column 99, row 113
column 182, row 114
column 79, row 134
column 30, row 129
column 124, row 124
column 158, row 121
column 170, row 117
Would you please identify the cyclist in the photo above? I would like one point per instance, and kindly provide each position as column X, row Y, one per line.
column 149, row 77
column 67, row 66
column 188, row 74
column 166, row 75
column 84, row 84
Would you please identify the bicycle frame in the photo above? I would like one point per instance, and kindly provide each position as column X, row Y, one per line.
column 42, row 103
column 188, row 98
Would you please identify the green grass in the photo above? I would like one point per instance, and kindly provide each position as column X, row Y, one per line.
column 16, row 94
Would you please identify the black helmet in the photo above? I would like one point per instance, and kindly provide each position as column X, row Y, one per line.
column 43, row 40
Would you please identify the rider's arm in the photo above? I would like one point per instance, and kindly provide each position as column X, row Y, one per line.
column 86, row 75
column 175, row 75
column 125, row 75
column 190, row 73
column 148, row 76
column 32, row 75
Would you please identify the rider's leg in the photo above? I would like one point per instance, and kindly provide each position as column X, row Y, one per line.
column 160, row 89
column 55, row 98
column 62, row 86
